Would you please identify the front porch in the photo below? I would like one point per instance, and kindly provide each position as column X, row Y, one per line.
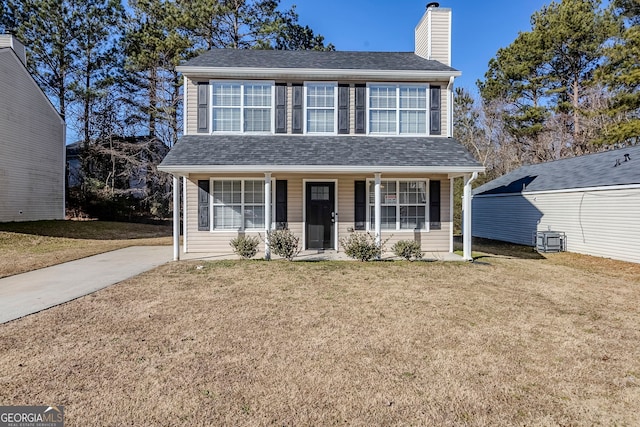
column 318, row 208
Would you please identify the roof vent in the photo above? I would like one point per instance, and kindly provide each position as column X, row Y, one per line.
column 433, row 4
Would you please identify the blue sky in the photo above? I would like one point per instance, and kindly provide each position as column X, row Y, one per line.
column 480, row 28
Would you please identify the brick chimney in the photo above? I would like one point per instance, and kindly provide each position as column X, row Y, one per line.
column 433, row 34
column 9, row 40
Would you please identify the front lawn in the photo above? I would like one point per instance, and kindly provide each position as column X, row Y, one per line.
column 508, row 342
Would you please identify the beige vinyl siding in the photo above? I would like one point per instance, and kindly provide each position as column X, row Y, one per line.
column 294, row 202
column 440, row 26
column 598, row 222
column 422, row 37
column 432, row 35
column 444, row 111
column 191, row 104
column 32, row 159
column 215, row 242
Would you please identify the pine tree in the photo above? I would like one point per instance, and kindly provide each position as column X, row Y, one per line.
column 545, row 74
column 573, row 34
column 49, row 30
column 621, row 73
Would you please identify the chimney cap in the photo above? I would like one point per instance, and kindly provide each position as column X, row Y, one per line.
column 433, row 4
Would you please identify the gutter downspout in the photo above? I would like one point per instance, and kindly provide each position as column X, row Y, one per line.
column 466, row 217
column 450, row 106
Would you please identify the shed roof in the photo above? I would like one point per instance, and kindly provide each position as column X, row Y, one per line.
column 308, row 59
column 615, row 167
column 343, row 152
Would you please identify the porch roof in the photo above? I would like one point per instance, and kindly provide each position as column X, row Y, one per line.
column 307, row 153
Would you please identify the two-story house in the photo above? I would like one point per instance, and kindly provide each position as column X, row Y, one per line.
column 323, row 143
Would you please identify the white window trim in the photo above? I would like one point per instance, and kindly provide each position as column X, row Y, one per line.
column 398, row 109
column 242, row 84
column 242, row 180
column 335, row 108
column 427, row 221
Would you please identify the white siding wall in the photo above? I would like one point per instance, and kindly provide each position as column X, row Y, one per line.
column 602, row 223
column 32, row 169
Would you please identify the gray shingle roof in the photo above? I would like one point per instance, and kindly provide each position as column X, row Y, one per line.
column 306, row 150
column 592, row 170
column 299, row 59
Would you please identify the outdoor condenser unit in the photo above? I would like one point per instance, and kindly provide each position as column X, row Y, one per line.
column 550, row 241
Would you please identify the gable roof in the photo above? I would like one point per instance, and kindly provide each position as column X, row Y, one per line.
column 329, row 60
column 591, row 170
column 302, row 153
column 19, row 65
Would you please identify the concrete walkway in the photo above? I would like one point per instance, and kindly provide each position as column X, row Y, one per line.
column 37, row 290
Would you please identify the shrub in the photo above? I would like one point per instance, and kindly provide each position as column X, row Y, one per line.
column 245, row 247
column 361, row 246
column 284, row 243
column 407, row 249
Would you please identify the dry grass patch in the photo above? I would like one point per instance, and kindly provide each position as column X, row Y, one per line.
column 517, row 342
column 27, row 246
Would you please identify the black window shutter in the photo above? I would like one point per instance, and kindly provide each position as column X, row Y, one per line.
column 203, row 205
column 203, row 107
column 296, row 117
column 360, row 213
column 361, row 108
column 436, row 113
column 434, row 205
column 281, row 108
column 343, row 108
column 281, row 204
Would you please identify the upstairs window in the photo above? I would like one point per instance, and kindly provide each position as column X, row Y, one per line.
column 242, row 107
column 398, row 109
column 320, row 101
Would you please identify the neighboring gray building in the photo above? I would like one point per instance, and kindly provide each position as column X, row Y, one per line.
column 32, row 143
column 323, row 143
column 594, row 199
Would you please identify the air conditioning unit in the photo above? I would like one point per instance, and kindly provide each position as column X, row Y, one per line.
column 551, row 241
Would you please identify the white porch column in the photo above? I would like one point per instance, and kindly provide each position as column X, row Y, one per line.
column 451, row 214
column 466, row 217
column 176, row 218
column 377, row 208
column 267, row 214
column 184, row 214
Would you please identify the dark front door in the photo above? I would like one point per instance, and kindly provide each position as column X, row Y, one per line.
column 320, row 215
